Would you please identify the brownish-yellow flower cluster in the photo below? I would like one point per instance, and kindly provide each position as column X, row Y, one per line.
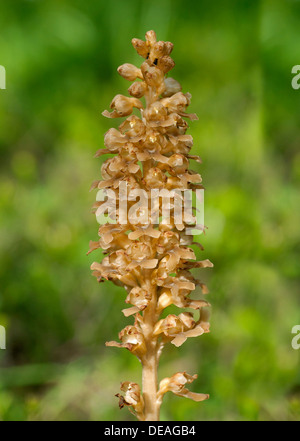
column 151, row 261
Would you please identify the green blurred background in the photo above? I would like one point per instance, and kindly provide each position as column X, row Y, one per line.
column 235, row 57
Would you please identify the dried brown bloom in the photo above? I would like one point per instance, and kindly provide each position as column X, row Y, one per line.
column 176, row 384
column 132, row 398
column 151, row 260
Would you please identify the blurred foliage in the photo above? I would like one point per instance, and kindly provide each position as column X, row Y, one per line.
column 235, row 57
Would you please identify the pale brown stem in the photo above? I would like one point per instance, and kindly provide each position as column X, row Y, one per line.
column 150, row 360
column 151, row 410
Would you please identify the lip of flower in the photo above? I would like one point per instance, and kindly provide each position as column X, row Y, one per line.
column 176, row 384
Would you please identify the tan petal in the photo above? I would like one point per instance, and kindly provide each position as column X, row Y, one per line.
column 200, row 264
column 93, row 246
column 101, row 152
column 94, row 185
column 130, row 311
column 113, row 114
column 182, row 337
column 119, row 345
column 195, row 158
column 149, row 263
column 133, row 168
column 191, row 116
column 197, row 304
column 192, row 395
column 144, row 231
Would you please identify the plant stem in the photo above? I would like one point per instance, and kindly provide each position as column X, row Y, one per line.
column 150, row 361
column 151, row 410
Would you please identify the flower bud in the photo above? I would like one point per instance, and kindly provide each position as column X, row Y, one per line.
column 137, row 89
column 158, row 50
column 124, row 105
column 153, row 76
column 177, row 102
column 165, row 64
column 129, row 72
column 171, row 87
column 151, row 37
column 168, row 47
column 141, row 47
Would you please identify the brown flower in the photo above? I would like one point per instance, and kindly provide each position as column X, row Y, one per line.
column 132, row 398
column 146, row 252
column 176, row 384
